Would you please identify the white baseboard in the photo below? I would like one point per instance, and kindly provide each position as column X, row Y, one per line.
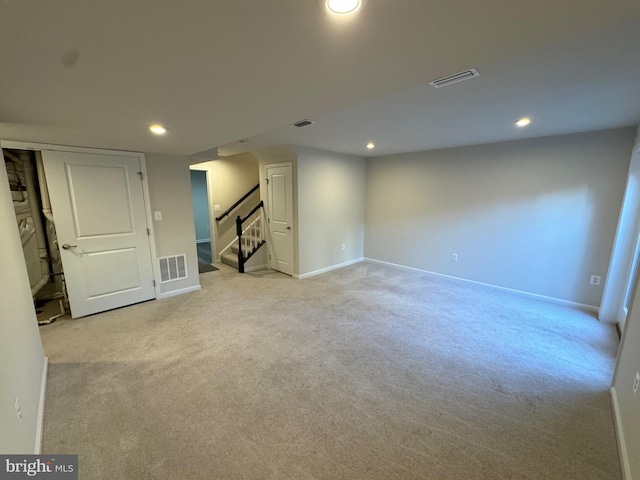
column 180, row 291
column 328, row 269
column 622, row 447
column 583, row 306
column 43, row 395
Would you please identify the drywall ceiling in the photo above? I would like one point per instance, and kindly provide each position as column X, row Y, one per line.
column 99, row 73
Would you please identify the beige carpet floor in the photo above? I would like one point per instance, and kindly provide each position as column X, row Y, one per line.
column 368, row 372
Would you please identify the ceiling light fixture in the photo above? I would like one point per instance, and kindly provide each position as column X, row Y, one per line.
column 370, row 145
column 157, row 129
column 343, row 7
column 523, row 122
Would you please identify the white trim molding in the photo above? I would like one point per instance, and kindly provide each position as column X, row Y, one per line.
column 582, row 306
column 622, row 446
column 328, row 269
column 43, row 394
column 180, row 291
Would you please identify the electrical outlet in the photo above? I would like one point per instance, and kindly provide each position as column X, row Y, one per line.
column 636, row 382
column 216, row 208
column 18, row 409
column 595, row 280
column 344, row 246
column 454, row 257
column 157, row 216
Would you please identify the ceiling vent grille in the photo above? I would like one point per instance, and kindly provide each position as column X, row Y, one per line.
column 172, row 268
column 455, row 78
column 303, row 123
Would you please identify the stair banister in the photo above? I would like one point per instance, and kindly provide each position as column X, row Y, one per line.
column 233, row 207
column 252, row 242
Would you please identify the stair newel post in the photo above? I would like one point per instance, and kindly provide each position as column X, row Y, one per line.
column 240, row 255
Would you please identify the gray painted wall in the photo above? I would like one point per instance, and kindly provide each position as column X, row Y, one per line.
column 200, row 200
column 21, row 355
column 331, row 205
column 628, row 363
column 170, row 192
column 535, row 215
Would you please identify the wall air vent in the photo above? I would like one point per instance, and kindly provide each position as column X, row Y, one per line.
column 303, row 123
column 455, row 78
column 172, row 268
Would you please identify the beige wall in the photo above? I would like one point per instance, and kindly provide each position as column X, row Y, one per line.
column 229, row 179
column 331, row 205
column 170, row 193
column 535, row 215
column 628, row 364
column 21, row 355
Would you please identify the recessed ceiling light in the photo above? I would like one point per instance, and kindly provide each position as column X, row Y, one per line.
column 523, row 122
column 370, row 145
column 157, row 129
column 342, row 7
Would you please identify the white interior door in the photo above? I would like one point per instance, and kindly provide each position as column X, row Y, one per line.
column 280, row 217
column 98, row 206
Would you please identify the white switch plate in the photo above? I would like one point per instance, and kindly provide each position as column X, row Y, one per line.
column 454, row 257
column 344, row 246
column 595, row 280
column 216, row 208
column 157, row 216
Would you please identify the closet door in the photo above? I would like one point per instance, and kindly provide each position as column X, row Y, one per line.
column 98, row 207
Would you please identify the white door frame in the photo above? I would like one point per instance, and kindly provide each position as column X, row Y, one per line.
column 145, row 186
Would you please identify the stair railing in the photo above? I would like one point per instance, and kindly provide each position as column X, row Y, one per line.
column 252, row 237
column 235, row 205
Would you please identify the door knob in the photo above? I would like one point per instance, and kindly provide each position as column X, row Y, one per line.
column 288, row 227
column 66, row 246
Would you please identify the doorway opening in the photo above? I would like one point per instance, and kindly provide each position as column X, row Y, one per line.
column 202, row 220
column 38, row 236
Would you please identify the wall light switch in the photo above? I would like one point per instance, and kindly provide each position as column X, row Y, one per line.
column 157, row 216
column 595, row 280
column 216, row 208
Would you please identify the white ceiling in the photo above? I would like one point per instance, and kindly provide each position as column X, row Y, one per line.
column 98, row 74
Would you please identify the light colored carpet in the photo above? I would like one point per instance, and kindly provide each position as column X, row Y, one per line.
column 368, row 372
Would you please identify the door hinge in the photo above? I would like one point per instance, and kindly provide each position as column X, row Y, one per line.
column 267, row 181
column 141, row 175
column 154, row 283
column 269, row 256
column 268, row 220
column 148, row 232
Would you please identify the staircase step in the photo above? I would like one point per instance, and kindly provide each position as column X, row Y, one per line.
column 230, row 259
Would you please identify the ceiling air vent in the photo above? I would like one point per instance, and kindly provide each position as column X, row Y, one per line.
column 303, row 123
column 172, row 268
column 455, row 78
